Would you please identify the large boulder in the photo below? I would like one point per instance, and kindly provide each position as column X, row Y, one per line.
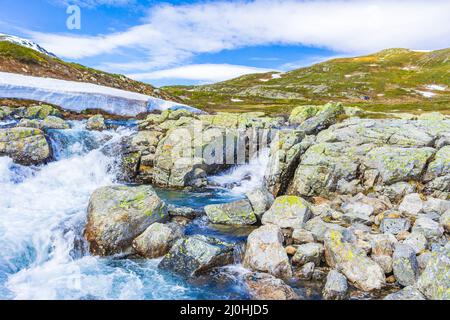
column 263, row 286
column 265, row 253
column 405, row 265
column 234, row 213
column 335, row 286
column 300, row 114
column 327, row 116
column 157, row 239
column 194, row 255
column 288, row 212
column 24, row 145
column 434, row 282
column 360, row 270
column 118, row 214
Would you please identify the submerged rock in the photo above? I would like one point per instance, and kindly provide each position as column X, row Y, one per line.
column 191, row 256
column 26, row 146
column 265, row 253
column 263, row 286
column 336, row 286
column 118, row 214
column 288, row 212
column 234, row 213
column 96, row 123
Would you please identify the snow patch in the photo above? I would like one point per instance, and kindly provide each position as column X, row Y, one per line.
column 276, row 76
column 436, row 87
column 264, row 80
column 426, row 94
column 79, row 96
column 236, row 100
column 25, row 43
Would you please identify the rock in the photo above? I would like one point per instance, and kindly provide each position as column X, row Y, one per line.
column 291, row 250
column 327, row 116
column 302, row 113
column 335, row 287
column 445, row 221
column 440, row 166
column 5, row 112
column 157, row 239
column 261, row 200
column 302, row 236
column 407, row 293
column 416, row 241
column 288, row 212
column 405, row 265
column 397, row 191
column 309, row 252
column 234, row 213
column 263, row 286
column 319, row 228
column 96, row 123
column 385, row 262
column 355, row 212
column 434, row 282
column 423, row 259
column 191, row 256
column 182, row 211
column 431, row 116
column 434, row 206
column 41, row 112
column 383, row 244
column 52, row 122
column 265, row 253
column 394, row 225
column 26, row 146
column 412, row 204
column 429, row 228
column 118, row 214
column 361, row 271
column 306, row 271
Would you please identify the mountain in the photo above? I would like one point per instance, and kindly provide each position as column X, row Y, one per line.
column 25, row 57
column 392, row 80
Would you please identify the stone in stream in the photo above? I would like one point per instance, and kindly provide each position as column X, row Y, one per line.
column 261, row 200
column 265, row 252
column 41, row 112
column 233, row 213
column 157, row 239
column 263, row 286
column 194, row 255
column 27, row 146
column 405, row 265
column 407, row 293
column 118, row 214
column 336, row 286
column 364, row 273
column 434, row 282
column 187, row 212
column 309, row 252
column 96, row 123
column 288, row 212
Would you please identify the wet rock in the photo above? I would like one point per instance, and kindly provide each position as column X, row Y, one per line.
column 309, row 252
column 118, row 214
column 182, row 211
column 261, row 200
column 335, row 287
column 265, row 253
column 263, row 286
column 434, row 282
column 52, row 122
column 405, row 265
column 407, row 293
column 302, row 236
column 416, row 241
column 26, row 146
column 194, row 255
column 361, row 271
column 157, row 239
column 234, row 213
column 96, row 123
column 429, row 228
column 288, row 212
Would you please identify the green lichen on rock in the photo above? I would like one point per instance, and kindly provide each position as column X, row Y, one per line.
column 234, row 213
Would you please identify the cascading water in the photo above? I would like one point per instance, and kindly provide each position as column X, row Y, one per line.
column 42, row 219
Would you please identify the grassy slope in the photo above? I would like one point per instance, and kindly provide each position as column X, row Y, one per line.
column 23, row 60
column 385, row 81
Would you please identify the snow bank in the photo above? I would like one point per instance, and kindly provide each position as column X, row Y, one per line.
column 79, row 96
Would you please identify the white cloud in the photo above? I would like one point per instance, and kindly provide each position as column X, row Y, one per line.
column 199, row 72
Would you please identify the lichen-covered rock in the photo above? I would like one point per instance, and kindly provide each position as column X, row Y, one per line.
column 327, row 116
column 302, row 113
column 24, row 145
column 233, row 213
column 5, row 112
column 41, row 112
column 306, row 271
column 261, row 200
column 405, row 265
column 288, row 212
column 434, row 282
column 302, row 236
column 157, row 239
column 360, row 270
column 309, row 252
column 357, row 212
column 394, row 224
column 52, row 122
column 96, row 123
column 319, row 228
column 416, row 241
column 194, row 255
column 385, row 262
column 383, row 244
column 186, row 212
column 265, row 253
column 263, row 286
column 412, row 204
column 445, row 221
column 336, row 286
column 429, row 228
column 118, row 214
column 407, row 293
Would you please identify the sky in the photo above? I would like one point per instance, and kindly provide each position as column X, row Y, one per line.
column 197, row 42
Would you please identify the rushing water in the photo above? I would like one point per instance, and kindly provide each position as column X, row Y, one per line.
column 42, row 217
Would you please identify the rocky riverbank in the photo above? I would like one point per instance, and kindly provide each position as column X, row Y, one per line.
column 352, row 205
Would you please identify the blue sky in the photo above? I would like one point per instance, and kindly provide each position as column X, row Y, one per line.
column 192, row 42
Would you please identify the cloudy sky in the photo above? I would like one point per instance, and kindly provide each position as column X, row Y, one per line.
column 191, row 42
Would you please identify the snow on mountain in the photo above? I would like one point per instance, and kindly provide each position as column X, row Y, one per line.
column 79, row 96
column 25, row 43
